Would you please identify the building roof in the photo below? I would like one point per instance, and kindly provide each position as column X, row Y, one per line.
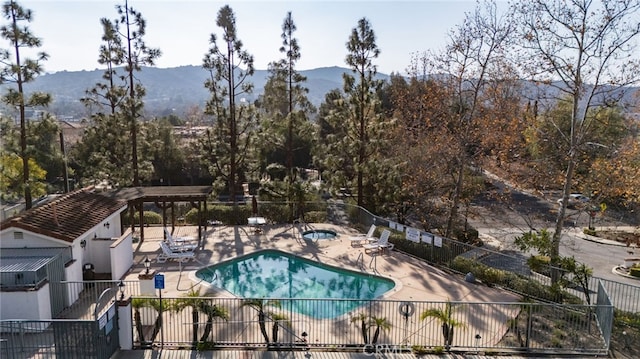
column 68, row 216
column 24, row 264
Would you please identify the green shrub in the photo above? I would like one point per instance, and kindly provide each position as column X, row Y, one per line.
column 556, row 342
column 276, row 212
column 589, row 231
column 205, row 346
column 149, row 217
column 462, row 265
column 539, row 263
column 505, row 279
column 315, row 217
column 634, row 271
column 465, row 235
column 419, row 349
column 627, row 318
column 430, row 253
column 493, row 276
column 229, row 215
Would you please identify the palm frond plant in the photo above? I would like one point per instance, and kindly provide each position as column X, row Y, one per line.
column 444, row 315
column 278, row 320
column 192, row 299
column 157, row 325
column 380, row 324
column 365, row 322
column 212, row 312
column 260, row 306
column 137, row 304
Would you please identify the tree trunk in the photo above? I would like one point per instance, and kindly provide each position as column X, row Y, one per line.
column 557, row 234
column 374, row 340
column 157, row 326
column 207, row 329
column 456, row 199
column 263, row 328
column 363, row 328
column 195, row 316
column 139, row 329
column 274, row 332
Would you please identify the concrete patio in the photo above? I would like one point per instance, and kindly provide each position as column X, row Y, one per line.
column 415, row 279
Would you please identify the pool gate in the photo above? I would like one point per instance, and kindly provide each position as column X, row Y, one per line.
column 62, row 338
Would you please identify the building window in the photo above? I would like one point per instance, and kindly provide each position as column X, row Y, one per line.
column 18, row 235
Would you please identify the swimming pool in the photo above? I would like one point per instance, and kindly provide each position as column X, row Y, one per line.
column 276, row 274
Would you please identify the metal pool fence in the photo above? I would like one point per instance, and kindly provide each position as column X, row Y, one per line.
column 57, row 338
column 87, row 294
column 453, row 254
column 378, row 326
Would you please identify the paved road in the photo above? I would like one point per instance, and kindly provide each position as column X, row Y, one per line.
column 505, row 213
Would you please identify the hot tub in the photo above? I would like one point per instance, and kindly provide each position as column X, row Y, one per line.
column 319, row 234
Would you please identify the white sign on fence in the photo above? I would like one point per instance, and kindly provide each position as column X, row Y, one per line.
column 427, row 238
column 437, row 241
column 413, row 235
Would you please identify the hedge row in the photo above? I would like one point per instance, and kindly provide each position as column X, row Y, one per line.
column 149, row 217
column 519, row 284
column 230, row 215
column 273, row 212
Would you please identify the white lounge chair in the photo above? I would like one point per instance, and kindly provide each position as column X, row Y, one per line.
column 177, row 244
column 360, row 239
column 256, row 223
column 380, row 244
column 167, row 253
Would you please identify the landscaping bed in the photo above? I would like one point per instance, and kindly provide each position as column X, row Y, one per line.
column 629, row 238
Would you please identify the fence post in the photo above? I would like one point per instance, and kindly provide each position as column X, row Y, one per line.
column 529, row 323
column 125, row 324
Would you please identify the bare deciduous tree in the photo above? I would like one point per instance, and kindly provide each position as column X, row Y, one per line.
column 584, row 49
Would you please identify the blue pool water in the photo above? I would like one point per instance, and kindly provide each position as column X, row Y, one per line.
column 316, row 234
column 276, row 274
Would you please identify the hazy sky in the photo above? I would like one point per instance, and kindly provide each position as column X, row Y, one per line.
column 71, row 31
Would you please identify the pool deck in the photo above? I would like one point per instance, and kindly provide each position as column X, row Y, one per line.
column 416, row 280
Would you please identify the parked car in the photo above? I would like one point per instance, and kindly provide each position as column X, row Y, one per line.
column 575, row 200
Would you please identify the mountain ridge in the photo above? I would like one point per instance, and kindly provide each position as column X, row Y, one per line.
column 177, row 90
column 169, row 90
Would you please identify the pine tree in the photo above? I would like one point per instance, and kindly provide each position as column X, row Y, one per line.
column 19, row 72
column 356, row 148
column 131, row 27
column 111, row 92
column 226, row 146
column 286, row 135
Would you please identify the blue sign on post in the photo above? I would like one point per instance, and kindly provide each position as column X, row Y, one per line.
column 158, row 280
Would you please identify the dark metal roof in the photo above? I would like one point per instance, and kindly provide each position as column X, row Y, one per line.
column 23, row 264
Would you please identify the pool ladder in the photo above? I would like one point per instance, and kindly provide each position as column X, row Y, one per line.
column 360, row 259
column 372, row 265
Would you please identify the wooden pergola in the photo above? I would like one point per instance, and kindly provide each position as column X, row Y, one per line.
column 164, row 197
